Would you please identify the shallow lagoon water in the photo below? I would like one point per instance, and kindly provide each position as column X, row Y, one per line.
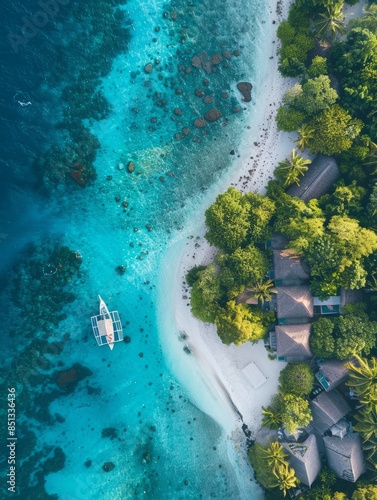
column 128, row 407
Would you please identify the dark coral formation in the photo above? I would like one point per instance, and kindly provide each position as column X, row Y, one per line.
column 108, row 466
column 71, row 377
column 71, row 159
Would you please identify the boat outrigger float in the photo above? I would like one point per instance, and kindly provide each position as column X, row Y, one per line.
column 107, row 327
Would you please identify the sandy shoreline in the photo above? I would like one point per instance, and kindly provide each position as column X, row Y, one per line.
column 261, row 148
column 220, row 366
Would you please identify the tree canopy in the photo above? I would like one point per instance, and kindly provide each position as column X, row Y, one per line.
column 236, row 323
column 227, row 220
column 316, row 95
column 335, row 129
column 343, row 337
column 296, row 378
column 295, row 413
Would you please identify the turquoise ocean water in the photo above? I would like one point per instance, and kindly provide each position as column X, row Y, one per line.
column 126, row 406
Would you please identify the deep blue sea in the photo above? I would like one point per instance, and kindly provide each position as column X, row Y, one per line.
column 86, row 88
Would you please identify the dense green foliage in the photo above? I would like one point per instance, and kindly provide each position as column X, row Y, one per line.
column 227, row 221
column 193, row 274
column 248, row 265
column 296, row 378
column 287, row 410
column 237, row 323
column 296, row 41
column 205, row 294
column 365, row 492
column 295, row 412
column 335, row 130
column 234, row 220
column 289, row 119
column 315, row 96
column 344, row 336
column 272, row 459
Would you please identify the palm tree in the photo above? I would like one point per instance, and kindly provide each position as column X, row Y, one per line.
column 271, row 419
column 367, row 424
column 291, row 168
column 275, row 454
column 286, row 477
column 306, row 134
column 372, row 283
column 332, row 19
column 364, row 376
column 262, row 291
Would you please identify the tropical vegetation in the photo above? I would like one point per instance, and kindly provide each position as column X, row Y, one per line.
column 332, row 107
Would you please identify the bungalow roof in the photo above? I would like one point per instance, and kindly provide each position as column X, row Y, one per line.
column 292, row 341
column 289, row 266
column 327, row 409
column 317, row 180
column 304, row 458
column 345, row 456
column 294, row 302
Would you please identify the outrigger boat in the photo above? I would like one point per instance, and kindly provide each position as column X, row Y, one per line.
column 107, row 327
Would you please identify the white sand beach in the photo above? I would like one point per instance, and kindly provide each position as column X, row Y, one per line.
column 216, row 365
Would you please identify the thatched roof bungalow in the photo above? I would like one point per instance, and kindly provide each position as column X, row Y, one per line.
column 294, row 304
column 345, row 456
column 327, row 409
column 317, row 180
column 292, row 342
column 331, row 373
column 289, row 268
column 304, row 459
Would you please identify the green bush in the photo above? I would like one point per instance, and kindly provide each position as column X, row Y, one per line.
column 193, row 274
column 296, row 378
column 318, row 67
column 289, row 119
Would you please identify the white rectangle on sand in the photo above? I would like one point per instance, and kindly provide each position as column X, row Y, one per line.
column 254, row 375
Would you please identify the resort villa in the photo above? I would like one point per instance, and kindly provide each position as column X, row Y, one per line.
column 329, row 437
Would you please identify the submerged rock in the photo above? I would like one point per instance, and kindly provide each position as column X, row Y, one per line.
column 148, row 68
column 72, row 376
column 108, row 466
column 109, row 432
column 121, row 269
column 212, row 115
column 130, row 166
column 245, row 89
column 199, row 123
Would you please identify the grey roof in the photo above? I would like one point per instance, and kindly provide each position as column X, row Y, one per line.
column 304, row 458
column 335, row 372
column 294, row 302
column 350, row 296
column 292, row 342
column 345, row 456
column 278, row 241
column 317, row 180
column 289, row 267
column 327, row 409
